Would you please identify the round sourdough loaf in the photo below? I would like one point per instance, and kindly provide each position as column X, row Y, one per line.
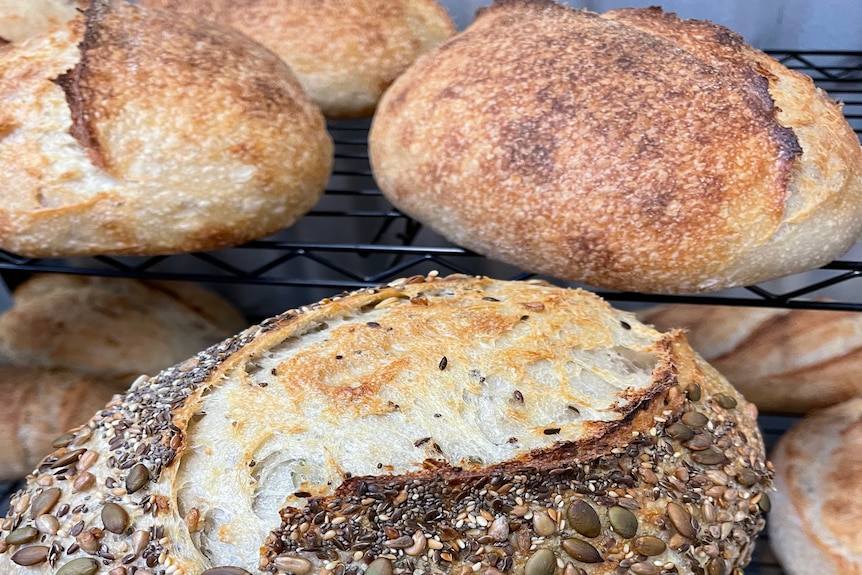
column 345, row 53
column 432, row 425
column 112, row 328
column 131, row 131
column 815, row 521
column 632, row 150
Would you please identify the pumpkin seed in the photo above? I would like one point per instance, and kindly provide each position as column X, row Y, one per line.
column 137, row 477
column 681, row 520
column 114, row 518
column 293, row 564
column 379, row 566
column 649, row 545
column 63, row 441
column 44, row 502
column 543, row 562
column 709, row 457
column 645, row 568
column 80, row 566
column 725, row 401
column 32, row 555
column 22, row 535
column 584, row 519
column 716, row 566
column 623, row 521
column 694, row 392
column 679, row 431
column 581, row 550
column 764, row 503
column 694, row 419
column 746, row 477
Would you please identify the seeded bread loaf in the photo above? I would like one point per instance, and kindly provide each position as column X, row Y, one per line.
column 111, row 328
column 438, row 425
column 40, row 405
column 345, row 53
column 815, row 518
column 782, row 360
column 632, row 150
column 132, row 131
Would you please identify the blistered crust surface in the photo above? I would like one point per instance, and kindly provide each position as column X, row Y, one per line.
column 212, row 465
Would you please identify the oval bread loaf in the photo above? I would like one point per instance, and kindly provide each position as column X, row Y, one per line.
column 439, row 425
column 815, row 521
column 113, row 328
column 782, row 360
column 131, row 131
column 632, row 150
column 345, row 53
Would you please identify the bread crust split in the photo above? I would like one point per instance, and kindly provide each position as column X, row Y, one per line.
column 632, row 150
column 345, row 53
column 432, row 424
column 130, row 131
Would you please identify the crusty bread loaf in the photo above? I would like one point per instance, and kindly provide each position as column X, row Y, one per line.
column 780, row 359
column 111, row 327
column 20, row 19
column 131, row 131
column 39, row 406
column 452, row 425
column 632, row 150
column 816, row 513
column 345, row 53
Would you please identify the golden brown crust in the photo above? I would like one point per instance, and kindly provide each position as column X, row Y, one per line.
column 139, row 132
column 635, row 151
column 790, row 361
column 443, row 416
column 816, row 505
column 345, row 54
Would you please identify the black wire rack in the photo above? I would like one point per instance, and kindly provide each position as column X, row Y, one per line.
column 354, row 238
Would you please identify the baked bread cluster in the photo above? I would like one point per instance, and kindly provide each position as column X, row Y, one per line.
column 134, row 131
column 69, row 343
column 632, row 150
column 345, row 53
column 433, row 425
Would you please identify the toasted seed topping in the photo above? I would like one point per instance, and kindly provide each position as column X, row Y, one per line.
column 623, row 521
column 22, row 535
column 543, row 562
column 694, row 419
column 680, row 431
column 379, row 566
column 114, row 518
column 225, row 571
column 79, row 566
column 580, row 550
column 681, row 520
column 584, row 519
column 32, row 555
column 725, row 401
column 44, row 502
column 694, row 392
column 137, row 477
column 649, row 545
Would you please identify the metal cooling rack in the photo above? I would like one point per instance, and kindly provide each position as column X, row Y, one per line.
column 354, row 238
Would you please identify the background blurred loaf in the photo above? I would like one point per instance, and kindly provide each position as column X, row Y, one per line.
column 780, row 359
column 111, row 327
column 631, row 150
column 131, row 131
column 345, row 53
column 817, row 503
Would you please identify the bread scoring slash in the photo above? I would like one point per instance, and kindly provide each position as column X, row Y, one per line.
column 443, row 425
column 631, row 150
